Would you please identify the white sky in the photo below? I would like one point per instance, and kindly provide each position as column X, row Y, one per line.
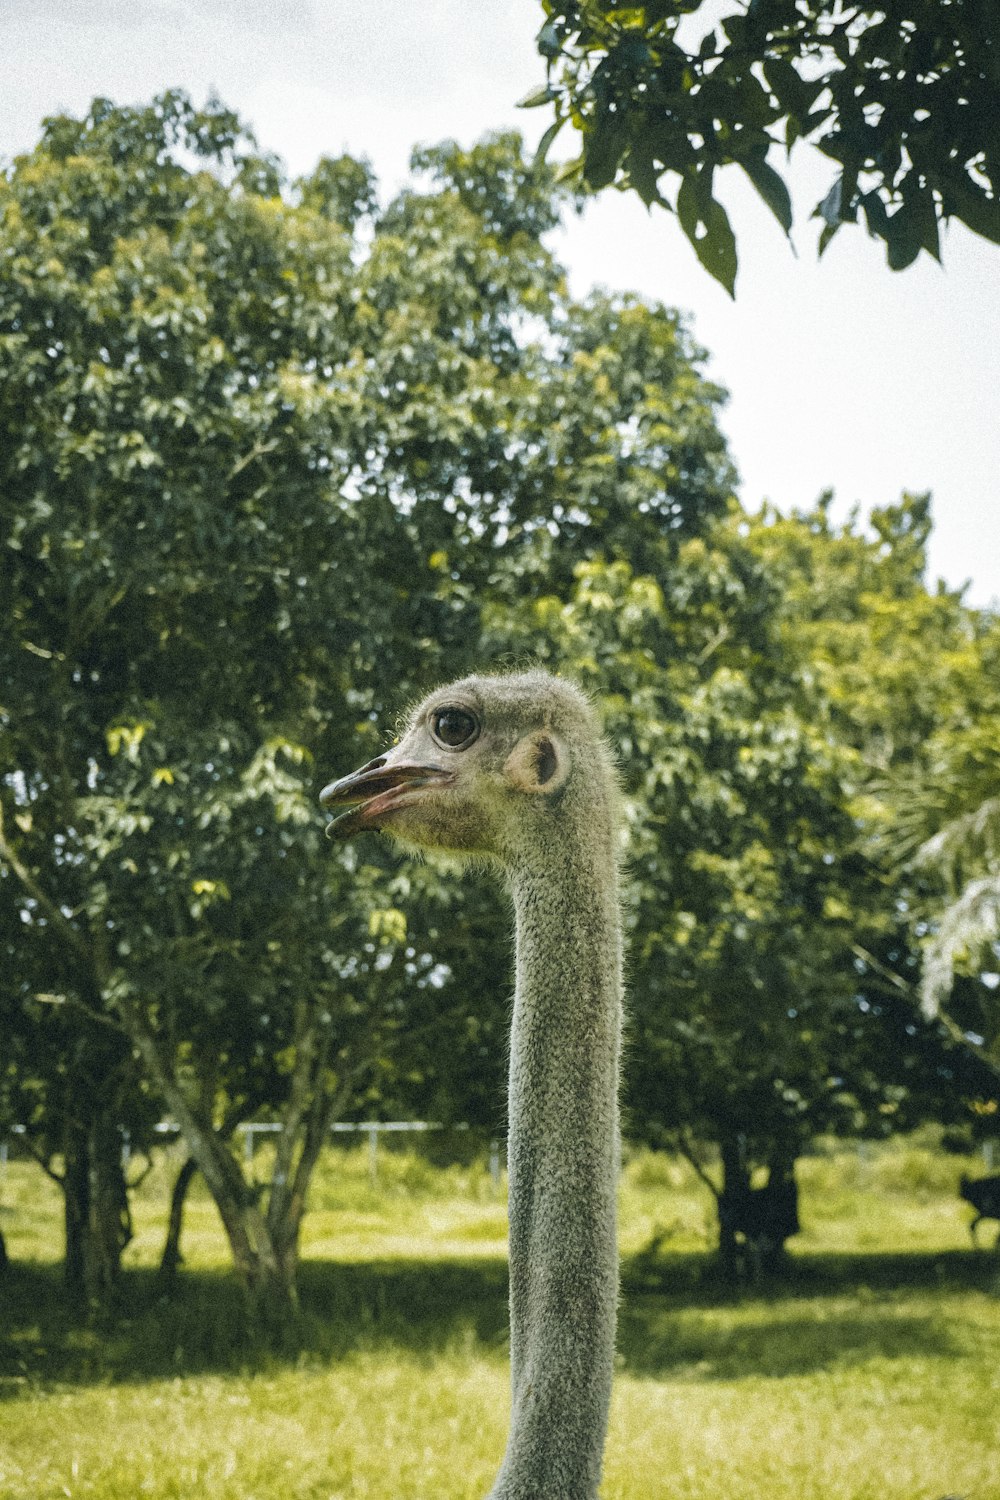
column 842, row 374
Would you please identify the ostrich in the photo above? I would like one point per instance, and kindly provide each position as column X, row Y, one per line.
column 514, row 769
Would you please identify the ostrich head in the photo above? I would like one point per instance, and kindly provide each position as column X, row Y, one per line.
column 482, row 763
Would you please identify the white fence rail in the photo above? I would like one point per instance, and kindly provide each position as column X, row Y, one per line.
column 251, row 1129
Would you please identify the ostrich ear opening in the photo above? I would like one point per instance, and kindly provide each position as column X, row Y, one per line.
column 538, row 764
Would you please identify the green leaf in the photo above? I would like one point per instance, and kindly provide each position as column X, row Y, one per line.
column 603, row 148
column 826, row 235
column 970, row 204
column 794, row 93
column 772, row 189
column 643, row 174
column 922, row 220
column 839, row 39
column 828, row 208
column 537, row 97
column 667, row 10
column 687, row 206
column 547, row 139
column 735, row 28
column 749, row 102
column 709, row 45
column 706, row 224
column 632, row 51
column 902, row 247
column 548, row 41
column 570, row 171
column 875, row 215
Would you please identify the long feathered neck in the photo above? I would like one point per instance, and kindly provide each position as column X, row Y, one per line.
column 563, row 1161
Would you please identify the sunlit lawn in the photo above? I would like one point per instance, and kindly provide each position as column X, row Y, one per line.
column 873, row 1374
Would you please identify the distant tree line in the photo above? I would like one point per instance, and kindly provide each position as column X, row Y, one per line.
column 276, row 457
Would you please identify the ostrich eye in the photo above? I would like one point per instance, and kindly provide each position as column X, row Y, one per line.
column 454, row 727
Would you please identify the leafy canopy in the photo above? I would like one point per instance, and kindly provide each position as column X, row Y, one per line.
column 265, row 448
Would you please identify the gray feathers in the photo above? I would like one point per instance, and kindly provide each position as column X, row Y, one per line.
column 531, row 787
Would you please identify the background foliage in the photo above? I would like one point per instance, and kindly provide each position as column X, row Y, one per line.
column 276, row 457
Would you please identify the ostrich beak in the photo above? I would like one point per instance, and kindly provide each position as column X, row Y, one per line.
column 379, row 787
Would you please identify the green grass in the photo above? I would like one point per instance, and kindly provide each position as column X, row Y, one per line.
column 871, row 1373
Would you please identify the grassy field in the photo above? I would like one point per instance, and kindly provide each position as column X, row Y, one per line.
column 871, row 1373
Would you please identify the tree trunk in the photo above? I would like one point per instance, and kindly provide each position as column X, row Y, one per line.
column 266, row 1270
column 110, row 1216
column 782, row 1206
column 735, row 1189
column 272, row 1284
column 266, row 1265
column 172, row 1257
column 754, row 1223
column 76, row 1207
column 96, row 1211
column 264, row 1245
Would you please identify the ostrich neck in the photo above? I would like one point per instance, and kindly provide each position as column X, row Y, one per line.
column 563, row 1162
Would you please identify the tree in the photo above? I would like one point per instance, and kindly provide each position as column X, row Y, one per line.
column 719, row 815
column 754, row 1024
column 908, row 672
column 266, row 449
column 903, row 99
column 171, row 476
column 157, row 428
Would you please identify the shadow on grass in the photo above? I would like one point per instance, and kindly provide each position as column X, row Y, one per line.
column 677, row 1317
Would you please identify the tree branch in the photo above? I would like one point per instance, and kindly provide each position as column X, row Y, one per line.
column 54, row 913
column 686, row 1150
column 41, row 1159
